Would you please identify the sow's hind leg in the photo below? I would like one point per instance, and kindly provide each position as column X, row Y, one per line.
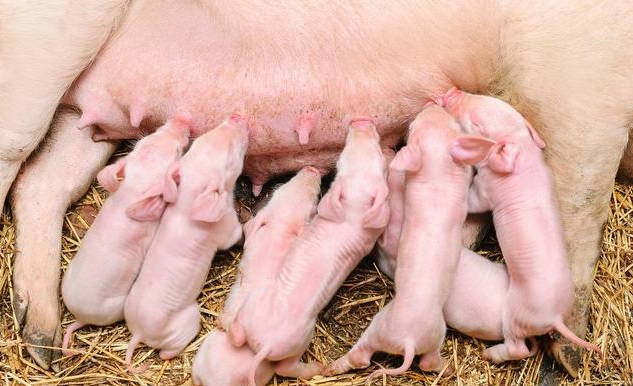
column 57, row 174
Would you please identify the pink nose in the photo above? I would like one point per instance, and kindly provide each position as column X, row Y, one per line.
column 451, row 96
column 313, row 170
column 238, row 120
column 361, row 122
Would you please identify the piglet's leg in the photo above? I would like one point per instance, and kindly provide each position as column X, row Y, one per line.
column 293, row 367
column 359, row 357
column 432, row 361
column 59, row 173
column 185, row 327
column 510, row 349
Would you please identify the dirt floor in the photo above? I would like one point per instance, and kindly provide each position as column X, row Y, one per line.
column 102, row 350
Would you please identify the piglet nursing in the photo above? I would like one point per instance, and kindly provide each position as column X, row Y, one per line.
column 269, row 236
column 517, row 185
column 435, row 191
column 161, row 309
column 277, row 321
column 99, row 277
column 474, row 303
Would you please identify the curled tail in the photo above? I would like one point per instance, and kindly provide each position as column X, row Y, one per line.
column 128, row 356
column 69, row 331
column 409, row 354
column 569, row 334
column 257, row 360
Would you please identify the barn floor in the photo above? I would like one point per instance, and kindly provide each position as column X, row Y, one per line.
column 365, row 291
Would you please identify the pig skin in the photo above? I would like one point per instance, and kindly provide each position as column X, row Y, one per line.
column 516, row 184
column 277, row 321
column 435, row 192
column 161, row 308
column 540, row 57
column 473, row 306
column 219, row 363
column 270, row 234
column 99, row 277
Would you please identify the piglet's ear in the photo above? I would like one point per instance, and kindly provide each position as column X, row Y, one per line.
column 209, row 206
column 255, row 223
column 471, row 149
column 110, row 176
column 330, row 206
column 378, row 215
column 237, row 334
column 150, row 207
column 535, row 137
column 172, row 181
column 407, row 159
column 503, row 157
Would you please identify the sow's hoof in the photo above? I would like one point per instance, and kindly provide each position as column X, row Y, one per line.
column 41, row 331
column 567, row 355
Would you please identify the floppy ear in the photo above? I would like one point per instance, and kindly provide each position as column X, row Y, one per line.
column 110, row 176
column 471, row 149
column 237, row 335
column 407, row 159
column 209, row 206
column 535, row 137
column 330, row 206
column 378, row 215
column 503, row 157
column 172, row 181
column 252, row 225
column 150, row 207
column 450, row 97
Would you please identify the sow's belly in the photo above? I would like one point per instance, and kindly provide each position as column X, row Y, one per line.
column 297, row 91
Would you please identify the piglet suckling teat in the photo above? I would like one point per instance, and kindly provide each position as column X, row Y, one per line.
column 277, row 321
column 515, row 183
column 269, row 236
column 434, row 187
column 99, row 277
column 161, row 309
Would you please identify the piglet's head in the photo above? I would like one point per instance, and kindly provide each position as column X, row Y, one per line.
column 149, row 207
column 471, row 149
column 377, row 216
column 209, row 204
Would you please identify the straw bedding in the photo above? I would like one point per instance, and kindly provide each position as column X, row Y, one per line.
column 341, row 323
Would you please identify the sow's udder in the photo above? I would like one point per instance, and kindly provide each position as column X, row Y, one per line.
column 297, row 106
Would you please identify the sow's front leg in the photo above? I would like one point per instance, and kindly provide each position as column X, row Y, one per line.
column 59, row 173
column 44, row 45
